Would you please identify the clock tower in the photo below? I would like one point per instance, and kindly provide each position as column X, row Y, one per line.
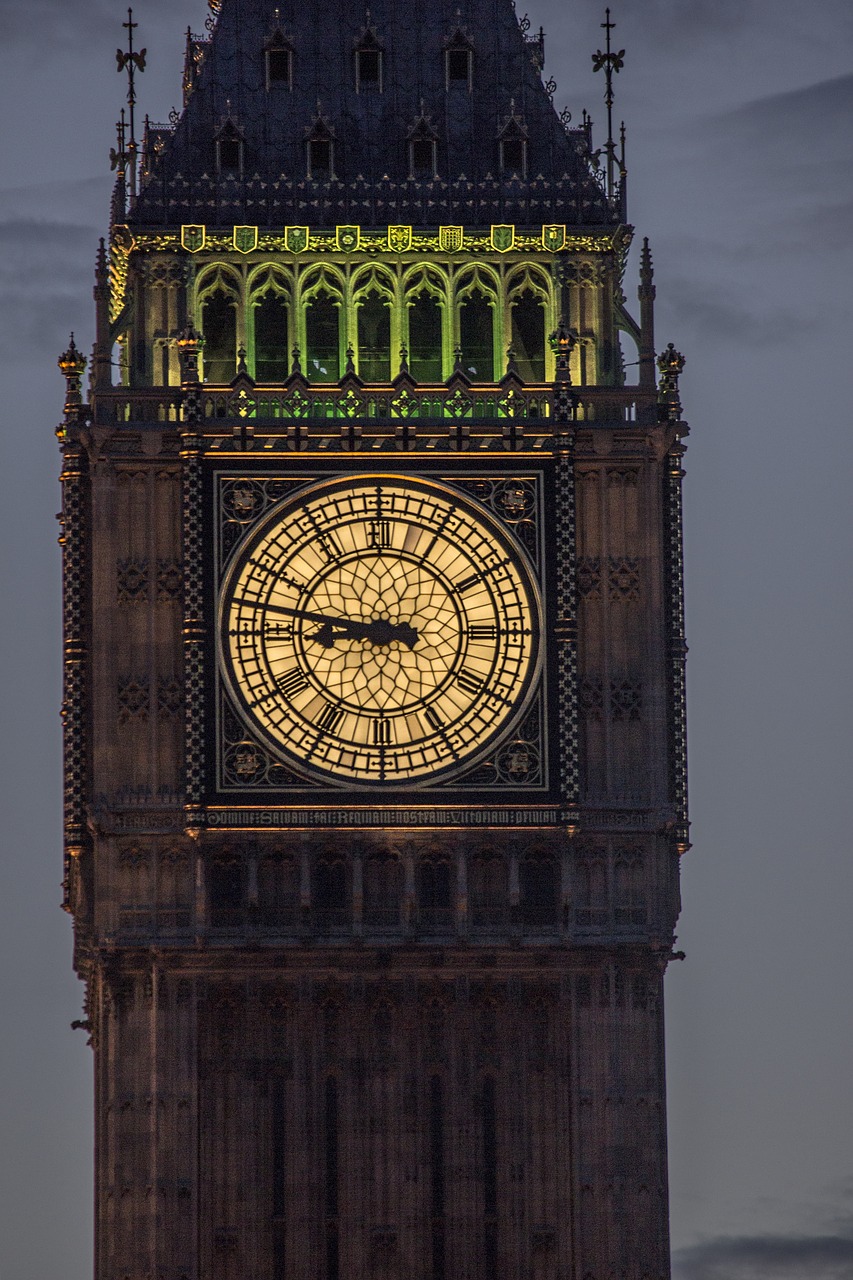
column 374, row 668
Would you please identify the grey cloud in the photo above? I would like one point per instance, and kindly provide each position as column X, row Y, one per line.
column 56, row 23
column 710, row 312
column 826, row 106
column 46, row 272
column 804, row 1257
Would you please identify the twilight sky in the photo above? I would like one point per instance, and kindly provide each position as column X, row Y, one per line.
column 740, row 135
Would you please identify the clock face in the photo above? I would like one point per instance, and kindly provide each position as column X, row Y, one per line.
column 379, row 630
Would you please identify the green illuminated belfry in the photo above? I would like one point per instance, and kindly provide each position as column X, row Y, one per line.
column 374, row 711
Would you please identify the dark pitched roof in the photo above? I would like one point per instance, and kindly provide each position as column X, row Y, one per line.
column 371, row 127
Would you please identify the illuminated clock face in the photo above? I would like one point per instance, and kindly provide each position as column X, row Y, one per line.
column 379, row 631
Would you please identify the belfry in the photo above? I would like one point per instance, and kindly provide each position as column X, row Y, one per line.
column 375, row 746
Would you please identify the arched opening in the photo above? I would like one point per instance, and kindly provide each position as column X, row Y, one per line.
column 528, row 336
column 434, row 886
column 425, row 339
column 383, row 889
column 219, row 325
column 539, row 889
column 271, row 339
column 322, row 340
column 476, row 338
column 331, row 890
column 374, row 339
column 489, row 890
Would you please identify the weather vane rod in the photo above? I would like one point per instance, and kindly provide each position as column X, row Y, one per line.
column 131, row 62
column 611, row 62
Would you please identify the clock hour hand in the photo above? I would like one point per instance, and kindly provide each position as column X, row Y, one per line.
column 378, row 632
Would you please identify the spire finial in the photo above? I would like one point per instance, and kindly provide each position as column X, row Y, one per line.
column 131, row 62
column 611, row 63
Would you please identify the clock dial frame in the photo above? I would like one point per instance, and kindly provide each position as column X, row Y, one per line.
column 379, row 631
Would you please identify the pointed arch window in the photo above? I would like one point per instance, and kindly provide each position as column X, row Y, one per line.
column 459, row 62
column 219, row 326
column 528, row 336
column 322, row 340
column 425, row 338
column 271, row 338
column 374, row 339
column 477, row 337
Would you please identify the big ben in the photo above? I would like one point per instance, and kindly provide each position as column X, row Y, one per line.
column 375, row 786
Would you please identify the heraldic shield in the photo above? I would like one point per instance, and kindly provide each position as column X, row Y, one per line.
column 349, row 239
column 245, row 239
column 399, row 239
column 296, row 239
column 503, row 238
column 193, row 238
column 451, row 239
column 554, row 238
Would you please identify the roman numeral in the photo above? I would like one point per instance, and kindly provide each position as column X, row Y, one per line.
column 381, row 733
column 434, row 720
column 331, row 546
column 329, row 718
column 468, row 682
column 380, row 533
column 483, row 633
column 467, row 583
column 292, row 682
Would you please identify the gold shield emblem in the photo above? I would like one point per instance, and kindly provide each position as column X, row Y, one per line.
column 245, row 239
column 296, row 239
column 399, row 239
column 193, row 238
column 451, row 239
column 349, row 239
column 554, row 238
column 503, row 238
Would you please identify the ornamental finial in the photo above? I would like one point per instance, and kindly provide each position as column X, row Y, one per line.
column 611, row 63
column 72, row 363
column 671, row 364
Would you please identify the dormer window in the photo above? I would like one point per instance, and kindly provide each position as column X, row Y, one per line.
column 368, row 64
column 229, row 150
column 320, row 159
column 423, row 149
column 279, row 58
column 512, row 141
column 513, row 155
column 458, row 62
column 320, row 149
column 422, row 158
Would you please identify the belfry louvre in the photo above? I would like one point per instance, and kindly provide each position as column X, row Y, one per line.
column 374, row 667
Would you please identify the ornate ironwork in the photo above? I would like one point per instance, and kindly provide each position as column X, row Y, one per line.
column 76, row 659
column 678, row 649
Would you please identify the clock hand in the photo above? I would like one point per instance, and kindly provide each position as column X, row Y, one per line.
column 379, row 632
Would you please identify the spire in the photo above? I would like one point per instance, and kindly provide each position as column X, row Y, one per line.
column 646, row 294
column 460, row 79
column 131, row 62
column 610, row 63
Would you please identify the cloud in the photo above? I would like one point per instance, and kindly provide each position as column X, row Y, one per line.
column 57, row 23
column 46, row 275
column 769, row 1257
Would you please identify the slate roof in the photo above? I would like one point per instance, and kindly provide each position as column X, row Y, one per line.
column 370, row 128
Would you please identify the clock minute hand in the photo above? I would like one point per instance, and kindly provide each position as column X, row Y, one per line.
column 379, row 632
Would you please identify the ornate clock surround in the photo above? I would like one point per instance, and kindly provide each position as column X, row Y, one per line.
column 250, row 784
